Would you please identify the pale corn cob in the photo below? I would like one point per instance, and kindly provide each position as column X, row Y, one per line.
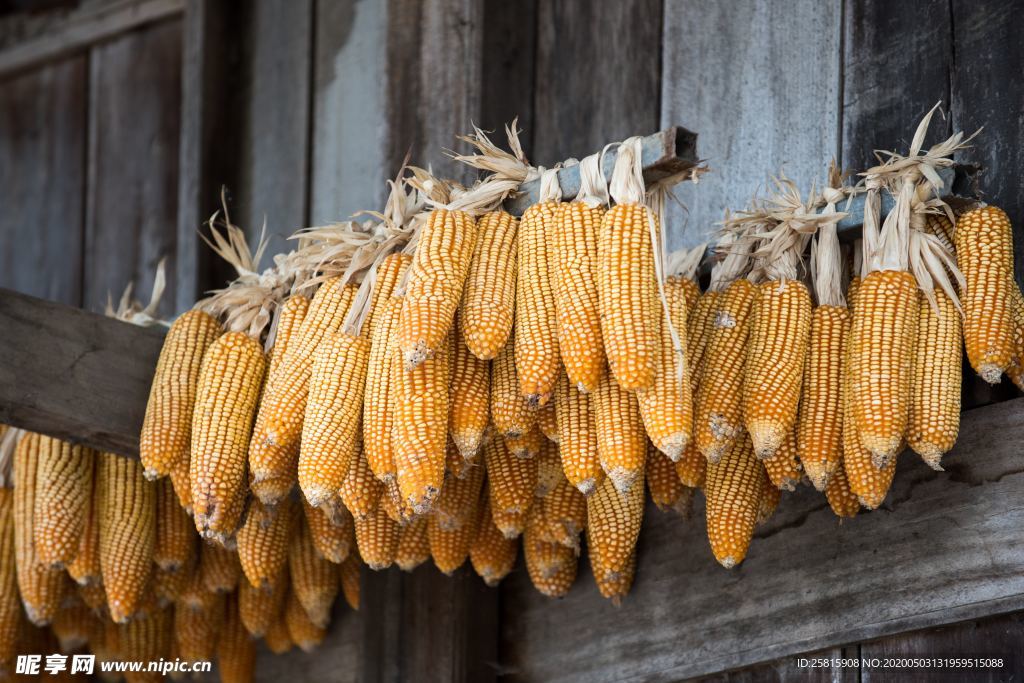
column 492, row 554
column 841, row 499
column 452, row 525
column 577, row 438
column 302, row 630
column 565, row 510
column 349, row 571
column 934, row 421
column 575, row 291
column 175, row 545
column 733, row 491
column 662, row 481
column 85, row 568
column 509, row 410
column 549, row 470
column 330, row 430
column 259, row 607
column 783, row 468
column 274, row 447
column 984, row 250
column 551, row 566
column 63, row 498
column 621, row 440
column 10, row 603
column 526, row 446
column 378, row 395
column 511, row 482
column 820, row 425
column 413, row 545
column 360, row 490
column 614, row 586
column 377, row 537
column 263, row 542
column 277, row 638
column 769, row 501
column 388, row 276
column 229, row 389
column 74, row 624
column 219, row 569
column 167, row 427
column 718, row 410
column 127, row 532
column 314, row 580
column 196, row 629
column 334, row 538
column 470, row 397
column 236, row 650
column 487, row 309
column 536, row 342
column 613, row 525
column 779, row 328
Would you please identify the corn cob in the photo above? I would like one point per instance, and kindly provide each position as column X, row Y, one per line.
column 783, row 468
column 219, row 568
column 536, row 342
column 551, row 566
column 10, row 605
column 718, row 416
column 470, row 396
column 360, row 490
column 236, row 651
column 73, row 624
column 263, row 542
column 452, row 526
column 196, row 628
column 301, row 629
column 349, row 571
column 386, row 280
column 413, row 545
column 662, row 481
column 167, row 427
column 841, row 499
column 984, row 249
column 454, row 464
column 277, row 638
column 492, row 554
column 549, row 470
column 692, row 464
column 377, row 537
column 768, row 503
column 331, row 428
column 93, row 595
column 547, row 419
column 168, row 586
column 394, row 506
column 526, row 446
column 259, row 607
column 511, row 482
column 565, row 510
column 314, row 580
column 179, row 476
column 1016, row 369
column 175, row 545
column 85, row 569
column 63, row 496
column 621, row 440
column 934, row 420
column 333, row 538
column 613, row 525
column 575, row 290
column 229, row 389
column 289, row 322
column 614, row 586
column 487, row 309
column 378, row 396
column 733, row 491
column 509, row 410
column 274, row 447
column 577, row 438
column 146, row 639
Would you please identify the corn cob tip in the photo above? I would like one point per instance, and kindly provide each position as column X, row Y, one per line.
column 587, row 486
column 684, row 505
column 727, row 562
column 991, row 373
column 818, row 476
column 872, row 502
column 623, row 479
column 34, row 616
column 931, row 455
column 881, row 460
column 468, row 445
column 883, row 450
column 319, row 496
column 150, row 474
column 537, row 401
column 767, row 437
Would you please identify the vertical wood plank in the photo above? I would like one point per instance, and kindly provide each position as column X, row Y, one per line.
column 509, row 65
column 759, row 81
column 132, row 192
column 42, row 173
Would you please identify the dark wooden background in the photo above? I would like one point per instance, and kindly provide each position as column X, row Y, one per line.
column 114, row 149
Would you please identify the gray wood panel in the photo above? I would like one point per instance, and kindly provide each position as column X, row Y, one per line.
column 509, row 66
column 132, row 181
column 760, row 82
column 943, row 548
column 339, row 659
column 42, row 171
column 790, row 669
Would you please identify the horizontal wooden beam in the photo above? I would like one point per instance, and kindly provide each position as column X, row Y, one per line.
column 945, row 547
column 74, row 374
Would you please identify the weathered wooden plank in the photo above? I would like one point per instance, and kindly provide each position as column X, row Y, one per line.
column 42, row 170
column 760, row 82
column 338, row 659
column 132, row 182
column 808, row 583
column 792, row 668
column 74, row 374
column 509, row 67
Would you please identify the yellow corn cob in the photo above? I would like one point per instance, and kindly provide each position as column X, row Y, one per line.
column 289, row 322
column 935, row 394
column 377, row 537
column 628, row 292
column 455, row 465
column 614, row 586
column 302, row 630
column 666, row 406
column 127, row 532
column 451, row 527
column 360, row 490
column 196, row 628
column 388, row 276
column 487, row 308
column 565, row 510
column 470, row 396
column 274, row 447
column 175, row 534
column 575, row 289
column 396, row 508
column 74, row 624
column 63, row 496
column 10, row 604
column 167, row 427
column 613, row 525
column 334, row 537
column 146, row 639
column 314, row 580
column 984, row 251
column 551, row 566
column 718, row 412
column 536, row 341
column 413, row 545
column 780, row 325
column 509, row 410
column 492, row 554
column 733, row 491
column 169, row 586
column 259, row 607
column 662, row 481
column 236, row 651
column 526, row 446
column 420, row 429
column 435, row 282
column 277, row 638
column 700, row 325
column 511, row 482
column 219, row 568
column 1015, row 371
column 85, row 568
column 549, row 470
column 547, row 419
column 783, row 468
column 93, row 595
column 349, row 571
column 820, row 425
column 577, row 438
column 621, row 440
column 263, row 541
column 771, row 495
column 179, row 476
column 229, row 389
column 378, row 396
column 841, row 499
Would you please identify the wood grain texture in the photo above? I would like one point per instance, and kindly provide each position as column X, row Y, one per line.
column 808, row 582
column 790, row 669
column 42, row 171
column 132, row 183
column 74, row 374
column 760, row 83
column 509, row 67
